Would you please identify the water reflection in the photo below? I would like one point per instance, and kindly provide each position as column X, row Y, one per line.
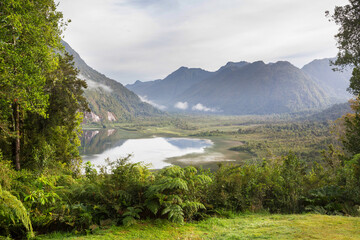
column 97, row 147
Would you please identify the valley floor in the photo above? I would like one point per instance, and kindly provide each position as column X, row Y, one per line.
column 245, row 226
column 237, row 139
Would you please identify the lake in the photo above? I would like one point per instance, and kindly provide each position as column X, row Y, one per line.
column 99, row 145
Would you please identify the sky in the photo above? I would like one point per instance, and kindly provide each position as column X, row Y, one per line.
column 129, row 40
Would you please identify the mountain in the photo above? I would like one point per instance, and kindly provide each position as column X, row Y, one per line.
column 108, row 99
column 334, row 83
column 233, row 65
column 237, row 88
column 332, row 113
column 256, row 88
column 163, row 91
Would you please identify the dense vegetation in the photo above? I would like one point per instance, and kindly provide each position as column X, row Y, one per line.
column 43, row 189
column 124, row 192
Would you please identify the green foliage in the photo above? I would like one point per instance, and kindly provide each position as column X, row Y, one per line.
column 347, row 17
column 30, row 38
column 130, row 216
column 326, row 200
column 292, row 174
column 11, row 209
column 178, row 192
column 124, row 193
column 351, row 174
column 40, row 95
column 351, row 137
column 58, row 139
column 112, row 96
column 276, row 185
column 30, row 31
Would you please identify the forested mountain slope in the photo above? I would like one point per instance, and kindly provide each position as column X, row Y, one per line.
column 333, row 82
column 237, row 88
column 163, row 91
column 109, row 100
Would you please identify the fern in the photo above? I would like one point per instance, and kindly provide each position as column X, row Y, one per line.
column 203, row 179
column 194, row 206
column 130, row 216
column 13, row 208
column 175, row 213
column 191, row 208
column 153, row 205
column 172, row 171
column 167, row 183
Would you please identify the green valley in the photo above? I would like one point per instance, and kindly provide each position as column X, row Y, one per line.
column 248, row 150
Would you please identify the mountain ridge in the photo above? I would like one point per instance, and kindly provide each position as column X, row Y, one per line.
column 249, row 88
column 108, row 99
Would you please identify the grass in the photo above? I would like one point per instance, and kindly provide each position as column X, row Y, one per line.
column 247, row 226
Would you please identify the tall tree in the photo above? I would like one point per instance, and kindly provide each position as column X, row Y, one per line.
column 29, row 34
column 55, row 138
column 348, row 43
column 348, row 40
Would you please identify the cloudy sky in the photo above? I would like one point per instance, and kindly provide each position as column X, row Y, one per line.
column 131, row 40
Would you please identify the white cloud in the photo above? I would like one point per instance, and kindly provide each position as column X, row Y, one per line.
column 200, row 107
column 147, row 39
column 145, row 99
column 94, row 85
column 181, row 105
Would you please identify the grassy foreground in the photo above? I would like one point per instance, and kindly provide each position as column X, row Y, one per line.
column 248, row 226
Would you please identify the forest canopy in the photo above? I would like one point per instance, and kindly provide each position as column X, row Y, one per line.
column 40, row 95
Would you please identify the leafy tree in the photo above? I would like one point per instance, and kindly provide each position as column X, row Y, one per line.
column 30, row 32
column 348, row 38
column 58, row 133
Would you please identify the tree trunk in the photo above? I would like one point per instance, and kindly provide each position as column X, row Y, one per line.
column 17, row 138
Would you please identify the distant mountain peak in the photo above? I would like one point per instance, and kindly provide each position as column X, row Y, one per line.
column 234, row 65
column 244, row 88
column 183, row 68
column 284, row 63
column 260, row 62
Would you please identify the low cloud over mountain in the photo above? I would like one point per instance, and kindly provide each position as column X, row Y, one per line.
column 248, row 88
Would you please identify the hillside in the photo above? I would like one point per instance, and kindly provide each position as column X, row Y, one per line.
column 332, row 113
column 163, row 91
column 109, row 100
column 237, row 88
column 334, row 83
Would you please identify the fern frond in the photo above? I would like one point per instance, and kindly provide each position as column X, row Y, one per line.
column 194, row 206
column 153, row 205
column 175, row 213
column 128, row 221
column 203, row 179
column 190, row 170
column 166, row 184
column 15, row 207
column 172, row 171
column 175, row 199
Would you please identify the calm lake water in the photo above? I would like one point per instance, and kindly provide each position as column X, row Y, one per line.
column 99, row 145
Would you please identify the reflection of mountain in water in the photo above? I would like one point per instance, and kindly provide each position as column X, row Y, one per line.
column 184, row 143
column 94, row 142
column 152, row 151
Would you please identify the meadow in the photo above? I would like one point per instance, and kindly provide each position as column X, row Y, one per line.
column 240, row 226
